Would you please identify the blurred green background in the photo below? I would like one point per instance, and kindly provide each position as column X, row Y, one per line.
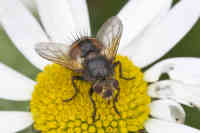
column 100, row 10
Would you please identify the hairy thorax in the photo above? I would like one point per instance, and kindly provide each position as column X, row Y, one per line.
column 98, row 67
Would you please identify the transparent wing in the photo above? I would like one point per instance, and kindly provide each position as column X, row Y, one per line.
column 109, row 35
column 58, row 53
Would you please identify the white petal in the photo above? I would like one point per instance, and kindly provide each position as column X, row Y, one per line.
column 62, row 19
column 159, row 126
column 14, row 86
column 160, row 38
column 80, row 15
column 23, row 29
column 182, row 69
column 167, row 110
column 161, row 15
column 11, row 121
column 137, row 15
column 176, row 90
column 30, row 4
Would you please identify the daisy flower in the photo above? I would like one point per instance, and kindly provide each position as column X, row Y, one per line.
column 146, row 104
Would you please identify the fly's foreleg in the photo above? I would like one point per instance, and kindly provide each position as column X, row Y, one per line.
column 75, row 87
column 91, row 91
column 116, row 85
column 120, row 71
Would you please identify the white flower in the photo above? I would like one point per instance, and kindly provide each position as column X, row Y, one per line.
column 151, row 29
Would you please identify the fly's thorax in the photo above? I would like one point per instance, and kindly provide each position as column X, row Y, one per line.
column 98, row 68
column 85, row 46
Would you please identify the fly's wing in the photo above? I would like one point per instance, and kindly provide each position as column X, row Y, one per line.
column 109, row 35
column 58, row 53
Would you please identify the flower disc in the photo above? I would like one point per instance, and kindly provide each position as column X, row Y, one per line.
column 52, row 115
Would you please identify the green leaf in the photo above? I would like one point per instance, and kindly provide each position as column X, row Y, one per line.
column 192, row 117
column 10, row 56
column 10, row 105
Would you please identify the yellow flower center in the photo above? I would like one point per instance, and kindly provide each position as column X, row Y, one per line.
column 52, row 115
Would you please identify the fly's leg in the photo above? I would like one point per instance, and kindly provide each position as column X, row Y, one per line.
column 120, row 71
column 116, row 85
column 75, row 87
column 93, row 103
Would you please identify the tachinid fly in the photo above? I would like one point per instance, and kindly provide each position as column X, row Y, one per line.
column 93, row 58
